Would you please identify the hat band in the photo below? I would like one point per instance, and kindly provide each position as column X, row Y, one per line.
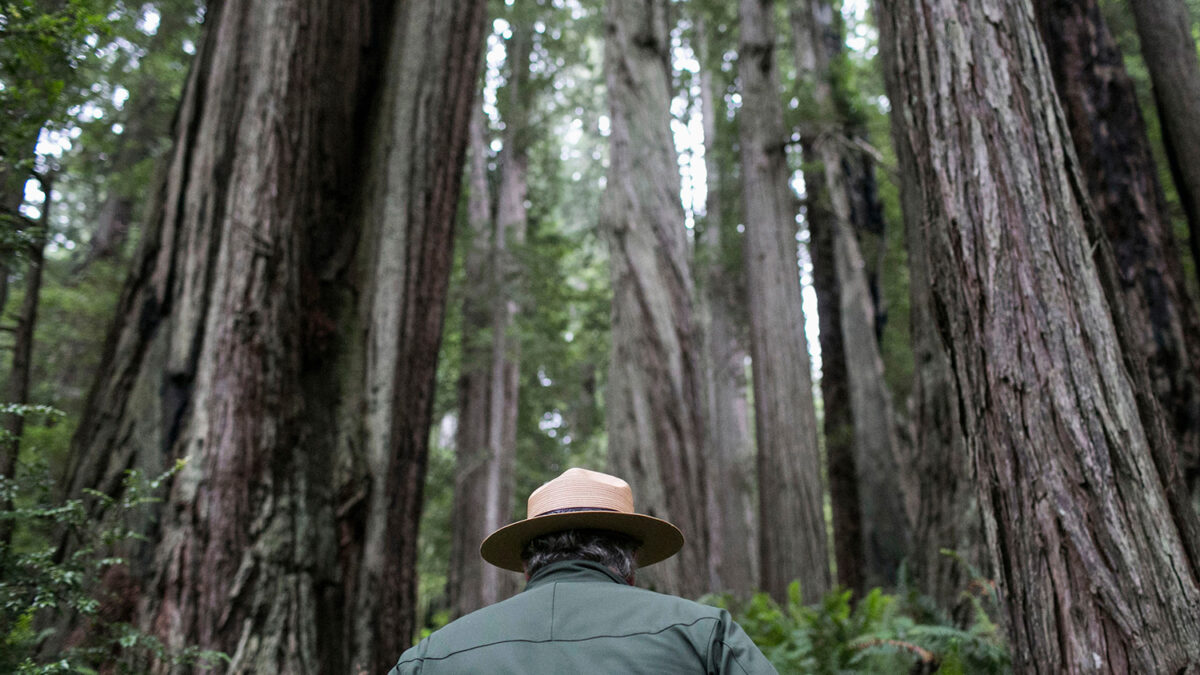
column 573, row 509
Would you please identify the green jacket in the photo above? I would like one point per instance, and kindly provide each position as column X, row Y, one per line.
column 580, row 617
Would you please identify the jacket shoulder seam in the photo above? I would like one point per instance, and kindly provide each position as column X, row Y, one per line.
column 548, row 640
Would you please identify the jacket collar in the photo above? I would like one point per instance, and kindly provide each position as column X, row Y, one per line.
column 573, row 570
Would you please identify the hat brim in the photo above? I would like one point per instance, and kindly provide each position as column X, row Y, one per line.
column 659, row 539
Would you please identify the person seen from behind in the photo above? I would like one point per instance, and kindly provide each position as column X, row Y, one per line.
column 579, row 548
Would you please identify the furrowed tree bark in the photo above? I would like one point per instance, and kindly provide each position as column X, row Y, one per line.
column 730, row 470
column 793, row 545
column 17, row 387
column 948, row 543
column 655, row 402
column 221, row 344
column 409, row 203
column 1098, row 568
column 1110, row 140
column 871, row 524
column 1165, row 30
column 249, row 334
column 948, row 546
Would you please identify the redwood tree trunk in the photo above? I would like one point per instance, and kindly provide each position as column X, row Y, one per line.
column 948, row 539
column 871, row 525
column 655, row 403
column 792, row 536
column 414, row 178
column 730, row 468
column 1097, row 566
column 1110, row 140
column 274, row 307
column 1165, row 30
column 471, row 451
column 509, row 236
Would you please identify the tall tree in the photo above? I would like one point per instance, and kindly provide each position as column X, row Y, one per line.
column 790, row 493
column 471, row 451
column 871, row 524
column 271, row 291
column 1078, row 504
column 486, row 437
column 733, row 521
column 1165, row 30
column 418, row 141
column 655, row 402
column 1114, row 153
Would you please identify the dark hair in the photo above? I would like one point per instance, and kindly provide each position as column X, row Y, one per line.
column 611, row 549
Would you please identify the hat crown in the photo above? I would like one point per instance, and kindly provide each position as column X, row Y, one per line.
column 581, row 489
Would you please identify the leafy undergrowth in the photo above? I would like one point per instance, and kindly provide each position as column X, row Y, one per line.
column 41, row 585
column 881, row 633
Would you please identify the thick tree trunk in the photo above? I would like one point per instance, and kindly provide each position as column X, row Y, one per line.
column 1110, row 140
column 1165, row 31
column 274, row 304
column 730, row 468
column 789, row 475
column 655, row 403
column 221, row 336
column 1097, row 563
column 947, row 535
column 414, row 179
column 860, row 427
column 17, row 388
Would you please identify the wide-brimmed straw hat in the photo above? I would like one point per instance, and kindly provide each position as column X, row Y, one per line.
column 582, row 500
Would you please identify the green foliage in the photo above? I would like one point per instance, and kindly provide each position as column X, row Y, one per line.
column 41, row 584
column 879, row 634
column 41, row 46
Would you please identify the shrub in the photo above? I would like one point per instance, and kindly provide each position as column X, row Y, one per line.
column 40, row 584
column 878, row 634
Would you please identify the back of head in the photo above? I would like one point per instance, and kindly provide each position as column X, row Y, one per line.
column 614, row 550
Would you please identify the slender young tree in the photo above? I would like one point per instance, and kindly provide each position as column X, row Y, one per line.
column 655, row 403
column 1097, row 562
column 1165, row 30
column 17, row 387
column 792, row 537
column 1114, row 153
column 280, row 330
